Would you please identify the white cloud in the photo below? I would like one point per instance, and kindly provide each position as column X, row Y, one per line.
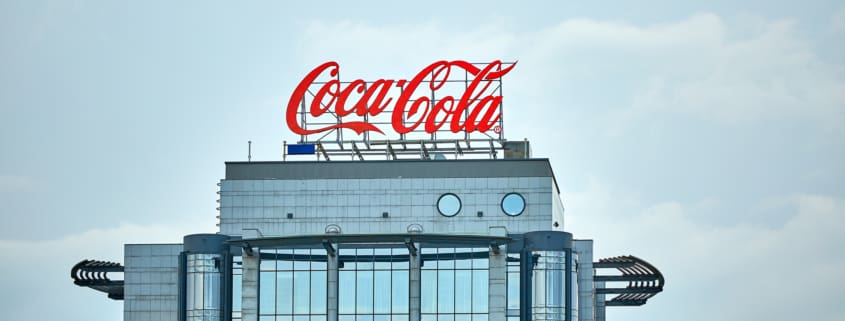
column 700, row 66
column 368, row 51
column 36, row 274
column 837, row 22
column 11, row 183
column 748, row 272
column 771, row 75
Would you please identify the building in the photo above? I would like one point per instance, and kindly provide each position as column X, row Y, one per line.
column 424, row 239
column 399, row 240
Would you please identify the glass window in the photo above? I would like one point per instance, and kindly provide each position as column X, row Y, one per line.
column 284, row 295
column 237, row 286
column 454, row 285
column 449, row 204
column 267, row 290
column 373, row 284
column 463, row 291
column 428, row 293
column 513, row 262
column 445, row 291
column 548, row 286
column 513, row 204
column 346, row 292
column 318, row 292
column 292, row 285
column 573, row 260
column 203, row 284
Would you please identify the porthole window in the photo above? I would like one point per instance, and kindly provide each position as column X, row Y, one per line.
column 513, row 204
column 449, row 204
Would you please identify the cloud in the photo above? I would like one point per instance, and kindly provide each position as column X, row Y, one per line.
column 771, row 75
column 702, row 66
column 370, row 52
column 11, row 183
column 837, row 21
column 41, row 269
column 750, row 272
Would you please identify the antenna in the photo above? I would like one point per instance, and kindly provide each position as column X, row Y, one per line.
column 249, row 151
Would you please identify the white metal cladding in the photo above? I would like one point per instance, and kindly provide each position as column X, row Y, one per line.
column 385, row 205
column 151, row 287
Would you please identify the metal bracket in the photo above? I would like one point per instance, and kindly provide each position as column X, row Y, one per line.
column 411, row 248
column 323, row 150
column 248, row 249
column 329, row 248
column 495, row 247
column 356, row 151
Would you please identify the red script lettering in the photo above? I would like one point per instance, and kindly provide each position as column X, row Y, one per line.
column 409, row 111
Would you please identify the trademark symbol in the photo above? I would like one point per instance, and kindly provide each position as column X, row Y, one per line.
column 497, row 129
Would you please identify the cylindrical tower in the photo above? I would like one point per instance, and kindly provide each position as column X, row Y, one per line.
column 547, row 269
column 204, row 273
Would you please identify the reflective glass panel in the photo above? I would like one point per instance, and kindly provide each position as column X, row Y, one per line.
column 346, row 292
column 374, row 284
column 428, row 301
column 381, row 292
column 364, row 298
column 400, row 292
column 292, row 288
column 318, row 292
column 284, row 291
column 445, row 291
column 267, row 291
column 237, row 286
column 454, row 285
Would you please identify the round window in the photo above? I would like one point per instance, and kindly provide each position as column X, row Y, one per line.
column 513, row 204
column 449, row 204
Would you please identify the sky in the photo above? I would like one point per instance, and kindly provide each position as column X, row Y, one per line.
column 703, row 137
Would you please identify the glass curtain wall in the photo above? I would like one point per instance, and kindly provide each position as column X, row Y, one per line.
column 237, row 286
column 548, row 297
column 454, row 284
column 373, row 284
column 512, row 311
column 293, row 285
column 573, row 290
column 203, row 287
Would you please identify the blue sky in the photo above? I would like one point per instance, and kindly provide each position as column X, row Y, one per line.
column 706, row 138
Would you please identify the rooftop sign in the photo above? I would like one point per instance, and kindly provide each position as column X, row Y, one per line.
column 446, row 97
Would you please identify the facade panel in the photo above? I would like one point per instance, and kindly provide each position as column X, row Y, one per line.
column 150, row 276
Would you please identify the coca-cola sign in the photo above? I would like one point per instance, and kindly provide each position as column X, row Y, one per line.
column 411, row 104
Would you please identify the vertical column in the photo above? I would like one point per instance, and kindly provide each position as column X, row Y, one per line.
column 497, row 306
column 332, row 284
column 568, row 285
column 497, row 285
column 599, row 303
column 249, row 292
column 586, row 290
column 526, row 281
column 414, row 277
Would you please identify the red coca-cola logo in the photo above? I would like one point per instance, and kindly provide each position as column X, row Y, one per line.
column 474, row 110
